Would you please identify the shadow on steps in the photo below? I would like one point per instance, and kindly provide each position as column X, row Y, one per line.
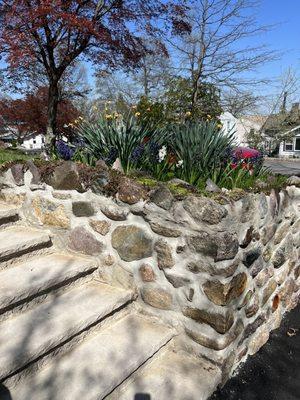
column 4, row 393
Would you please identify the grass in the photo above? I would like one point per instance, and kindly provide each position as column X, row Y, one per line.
column 9, row 155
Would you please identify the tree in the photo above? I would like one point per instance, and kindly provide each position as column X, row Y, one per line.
column 178, row 99
column 23, row 117
column 214, row 51
column 239, row 103
column 53, row 34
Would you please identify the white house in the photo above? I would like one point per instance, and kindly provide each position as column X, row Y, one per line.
column 34, row 142
column 291, row 146
column 242, row 126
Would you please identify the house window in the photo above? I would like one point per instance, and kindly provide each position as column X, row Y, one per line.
column 297, row 144
column 34, row 141
column 43, row 140
column 288, row 146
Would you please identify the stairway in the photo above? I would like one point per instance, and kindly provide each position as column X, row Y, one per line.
column 66, row 336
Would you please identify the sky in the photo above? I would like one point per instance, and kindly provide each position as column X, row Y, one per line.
column 284, row 37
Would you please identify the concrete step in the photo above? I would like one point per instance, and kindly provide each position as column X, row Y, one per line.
column 18, row 240
column 36, row 332
column 171, row 375
column 94, row 368
column 8, row 213
column 34, row 278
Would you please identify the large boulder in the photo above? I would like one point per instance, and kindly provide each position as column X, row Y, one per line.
column 202, row 209
column 66, row 177
column 132, row 243
column 130, row 192
column 162, row 197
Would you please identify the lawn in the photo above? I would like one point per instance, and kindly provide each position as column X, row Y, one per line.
column 7, row 155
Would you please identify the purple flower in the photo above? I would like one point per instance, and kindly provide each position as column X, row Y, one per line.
column 63, row 150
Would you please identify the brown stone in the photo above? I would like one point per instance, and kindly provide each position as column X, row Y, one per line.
column 101, row 227
column 66, row 177
column 257, row 266
column 17, row 171
column 258, row 340
column 274, row 202
column 130, row 192
column 268, row 290
column 132, row 243
column 225, row 269
column 263, row 205
column 50, row 212
column 84, row 242
column 176, row 280
column 251, row 328
column 147, row 274
column 216, row 343
column 247, row 238
column 202, row 209
column 286, row 291
column 109, row 260
column 248, row 208
column 220, row 322
column 164, row 254
column 253, row 308
column 283, row 251
column 157, row 297
column 222, row 294
column 246, row 299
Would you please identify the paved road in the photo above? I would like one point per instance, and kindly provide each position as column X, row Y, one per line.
column 284, row 167
column 274, row 372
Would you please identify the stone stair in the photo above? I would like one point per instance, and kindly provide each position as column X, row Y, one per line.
column 64, row 335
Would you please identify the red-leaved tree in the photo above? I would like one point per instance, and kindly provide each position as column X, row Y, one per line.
column 54, row 33
column 23, row 117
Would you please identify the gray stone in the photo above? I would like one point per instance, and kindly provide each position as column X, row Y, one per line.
column 225, row 269
column 257, row 266
column 212, row 187
column 157, row 297
column 190, row 294
column 176, row 280
column 162, row 197
column 202, row 209
column 282, row 232
column 246, row 299
column 268, row 232
column 248, row 208
column 164, row 254
column 251, row 256
column 36, row 176
column 220, row 246
column 283, row 252
column 17, row 171
column 274, row 202
column 262, row 278
column 247, row 238
column 84, row 242
column 251, row 328
column 51, row 212
column 294, row 180
column 66, row 177
column 263, row 205
column 114, row 212
column 220, row 322
column 101, row 227
column 82, row 209
column 222, row 294
column 164, row 229
column 132, row 243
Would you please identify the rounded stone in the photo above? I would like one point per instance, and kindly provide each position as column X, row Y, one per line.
column 132, row 243
column 130, row 192
column 202, row 209
column 101, row 227
column 82, row 209
column 164, row 254
column 157, row 297
column 146, row 272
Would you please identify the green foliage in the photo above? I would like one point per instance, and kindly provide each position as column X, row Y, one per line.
column 179, row 101
column 151, row 114
column 8, row 155
column 113, row 138
column 198, row 147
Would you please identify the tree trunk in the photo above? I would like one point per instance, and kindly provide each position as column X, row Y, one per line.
column 53, row 98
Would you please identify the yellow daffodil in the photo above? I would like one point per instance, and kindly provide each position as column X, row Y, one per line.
column 108, row 116
column 137, row 114
column 134, row 107
column 149, row 109
column 188, row 113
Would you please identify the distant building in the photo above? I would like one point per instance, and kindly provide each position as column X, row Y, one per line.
column 291, row 146
column 242, row 127
column 34, row 142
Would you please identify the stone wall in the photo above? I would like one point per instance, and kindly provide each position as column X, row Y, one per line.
column 223, row 275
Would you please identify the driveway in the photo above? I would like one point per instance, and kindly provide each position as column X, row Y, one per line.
column 274, row 372
column 283, row 167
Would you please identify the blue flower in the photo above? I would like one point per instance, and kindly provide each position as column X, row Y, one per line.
column 63, row 150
